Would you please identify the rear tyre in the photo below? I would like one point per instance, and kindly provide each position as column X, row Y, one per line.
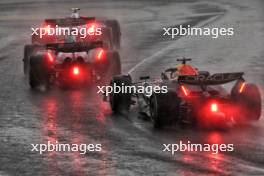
column 163, row 109
column 28, row 51
column 112, row 67
column 120, row 102
column 249, row 101
column 156, row 112
column 116, row 32
column 114, row 63
column 38, row 74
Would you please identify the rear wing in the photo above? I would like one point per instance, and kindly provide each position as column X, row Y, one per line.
column 74, row 47
column 63, row 22
column 217, row 78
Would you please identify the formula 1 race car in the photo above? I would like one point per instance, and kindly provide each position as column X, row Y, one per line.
column 72, row 64
column 193, row 97
column 107, row 30
column 91, row 54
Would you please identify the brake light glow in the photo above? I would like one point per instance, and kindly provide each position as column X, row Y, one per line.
column 214, row 107
column 76, row 71
column 242, row 87
column 91, row 29
column 184, row 90
column 100, row 54
column 50, row 57
column 47, row 29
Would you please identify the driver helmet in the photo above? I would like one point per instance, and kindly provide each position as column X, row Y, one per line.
column 184, row 69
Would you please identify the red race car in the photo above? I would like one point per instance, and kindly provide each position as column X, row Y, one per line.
column 73, row 51
column 193, row 97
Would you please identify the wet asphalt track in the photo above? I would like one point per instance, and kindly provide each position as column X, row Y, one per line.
column 130, row 145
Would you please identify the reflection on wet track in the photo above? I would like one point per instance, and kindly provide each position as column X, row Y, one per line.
column 70, row 127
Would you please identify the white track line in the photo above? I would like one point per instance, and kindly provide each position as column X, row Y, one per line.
column 163, row 51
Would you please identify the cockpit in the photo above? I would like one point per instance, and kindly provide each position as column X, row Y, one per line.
column 180, row 70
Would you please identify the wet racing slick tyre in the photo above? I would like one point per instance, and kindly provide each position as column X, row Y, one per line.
column 38, row 74
column 114, row 63
column 156, row 111
column 28, row 51
column 116, row 32
column 248, row 100
column 162, row 109
column 120, row 101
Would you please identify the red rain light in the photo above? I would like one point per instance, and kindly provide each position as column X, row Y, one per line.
column 50, row 58
column 91, row 29
column 242, row 87
column 184, row 91
column 76, row 71
column 214, row 107
column 100, row 54
column 48, row 28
